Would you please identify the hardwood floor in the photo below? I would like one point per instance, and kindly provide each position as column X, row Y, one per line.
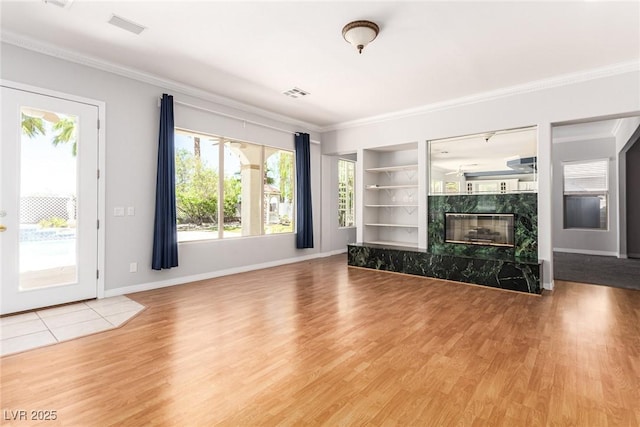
column 318, row 343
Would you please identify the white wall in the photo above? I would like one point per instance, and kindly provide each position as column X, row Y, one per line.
column 540, row 105
column 595, row 242
column 132, row 116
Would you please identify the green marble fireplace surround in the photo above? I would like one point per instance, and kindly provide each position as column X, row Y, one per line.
column 524, row 206
column 514, row 268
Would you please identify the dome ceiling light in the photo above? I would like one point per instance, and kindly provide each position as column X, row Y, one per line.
column 360, row 33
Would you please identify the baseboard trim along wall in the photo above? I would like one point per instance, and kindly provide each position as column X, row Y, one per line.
column 586, row 252
column 633, row 255
column 213, row 274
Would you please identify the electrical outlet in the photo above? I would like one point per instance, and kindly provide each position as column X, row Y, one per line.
column 131, row 211
column 133, row 267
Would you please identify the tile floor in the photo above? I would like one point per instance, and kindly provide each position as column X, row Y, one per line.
column 52, row 325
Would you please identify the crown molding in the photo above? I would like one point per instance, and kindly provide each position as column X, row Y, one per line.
column 553, row 82
column 616, row 127
column 172, row 85
column 582, row 138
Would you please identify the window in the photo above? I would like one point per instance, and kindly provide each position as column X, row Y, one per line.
column 197, row 172
column 585, row 194
column 255, row 184
column 241, row 186
column 346, row 193
column 452, row 187
column 278, row 191
column 436, row 186
column 487, row 187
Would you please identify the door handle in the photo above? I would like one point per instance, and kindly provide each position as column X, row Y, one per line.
column 3, row 228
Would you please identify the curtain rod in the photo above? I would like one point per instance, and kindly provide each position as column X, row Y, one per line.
column 197, row 107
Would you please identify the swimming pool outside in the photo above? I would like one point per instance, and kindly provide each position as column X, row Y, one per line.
column 46, row 248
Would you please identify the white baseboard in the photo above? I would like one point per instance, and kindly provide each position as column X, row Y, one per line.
column 331, row 253
column 548, row 286
column 586, row 252
column 213, row 274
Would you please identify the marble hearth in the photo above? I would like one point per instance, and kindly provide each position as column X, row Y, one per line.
column 522, row 275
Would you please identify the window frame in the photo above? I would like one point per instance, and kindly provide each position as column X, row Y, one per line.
column 353, row 192
column 222, row 141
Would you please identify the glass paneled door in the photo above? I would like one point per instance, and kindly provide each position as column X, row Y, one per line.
column 48, row 200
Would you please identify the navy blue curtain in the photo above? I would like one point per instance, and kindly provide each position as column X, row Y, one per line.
column 165, row 234
column 304, row 224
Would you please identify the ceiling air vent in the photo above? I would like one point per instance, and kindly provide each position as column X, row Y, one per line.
column 126, row 25
column 295, row 93
column 60, row 3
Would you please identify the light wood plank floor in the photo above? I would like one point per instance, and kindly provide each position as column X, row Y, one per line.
column 318, row 343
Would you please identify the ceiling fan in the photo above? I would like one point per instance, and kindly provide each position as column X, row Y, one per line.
column 460, row 170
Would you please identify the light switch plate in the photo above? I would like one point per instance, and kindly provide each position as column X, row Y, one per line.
column 119, row 211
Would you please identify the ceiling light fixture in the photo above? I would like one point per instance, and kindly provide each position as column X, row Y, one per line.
column 360, row 33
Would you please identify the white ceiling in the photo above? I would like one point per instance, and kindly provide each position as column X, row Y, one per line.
column 426, row 53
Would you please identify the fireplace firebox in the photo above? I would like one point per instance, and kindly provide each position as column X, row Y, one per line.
column 491, row 229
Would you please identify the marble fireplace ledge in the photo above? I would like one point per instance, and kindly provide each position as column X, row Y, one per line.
column 506, row 273
column 493, row 257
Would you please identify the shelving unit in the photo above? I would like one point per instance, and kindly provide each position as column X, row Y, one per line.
column 394, row 225
column 390, row 206
column 389, row 187
column 390, row 201
column 394, row 168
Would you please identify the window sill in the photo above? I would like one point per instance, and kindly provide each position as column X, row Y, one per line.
column 235, row 238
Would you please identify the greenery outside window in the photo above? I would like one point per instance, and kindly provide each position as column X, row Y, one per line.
column 197, row 174
column 346, row 193
column 278, row 191
column 586, row 194
column 248, row 188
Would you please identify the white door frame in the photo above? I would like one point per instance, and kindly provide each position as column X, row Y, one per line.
column 101, row 164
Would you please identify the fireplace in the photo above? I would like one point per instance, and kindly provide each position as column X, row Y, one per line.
column 489, row 229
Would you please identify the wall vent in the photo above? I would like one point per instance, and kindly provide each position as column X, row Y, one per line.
column 295, row 93
column 126, row 25
column 66, row 4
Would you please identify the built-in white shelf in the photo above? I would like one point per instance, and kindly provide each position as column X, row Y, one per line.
column 393, row 243
column 389, row 187
column 391, row 201
column 393, row 225
column 393, row 168
column 390, row 206
column 410, row 209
